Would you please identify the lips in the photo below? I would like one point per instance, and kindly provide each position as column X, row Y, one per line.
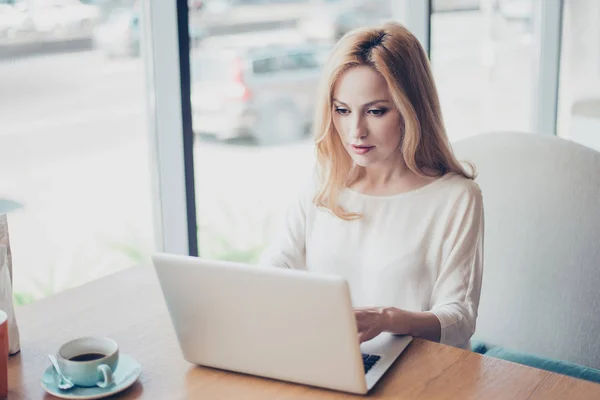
column 362, row 149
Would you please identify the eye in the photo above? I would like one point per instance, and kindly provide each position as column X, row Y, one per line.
column 342, row 111
column 377, row 111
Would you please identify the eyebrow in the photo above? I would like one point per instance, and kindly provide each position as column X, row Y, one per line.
column 364, row 105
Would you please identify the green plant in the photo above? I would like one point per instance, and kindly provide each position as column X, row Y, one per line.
column 226, row 250
column 23, row 298
column 41, row 287
column 132, row 252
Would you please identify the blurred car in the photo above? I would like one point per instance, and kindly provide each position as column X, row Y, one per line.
column 329, row 20
column 62, row 16
column 264, row 93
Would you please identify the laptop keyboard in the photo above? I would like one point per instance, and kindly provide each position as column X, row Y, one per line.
column 369, row 360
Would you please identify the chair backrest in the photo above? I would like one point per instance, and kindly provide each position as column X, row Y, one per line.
column 541, row 281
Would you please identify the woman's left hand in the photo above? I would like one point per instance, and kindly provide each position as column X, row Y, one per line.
column 370, row 322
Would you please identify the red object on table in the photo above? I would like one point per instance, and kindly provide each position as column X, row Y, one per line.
column 3, row 354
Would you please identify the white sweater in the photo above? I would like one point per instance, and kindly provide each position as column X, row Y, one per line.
column 419, row 251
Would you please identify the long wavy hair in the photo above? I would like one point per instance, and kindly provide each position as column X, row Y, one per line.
column 396, row 54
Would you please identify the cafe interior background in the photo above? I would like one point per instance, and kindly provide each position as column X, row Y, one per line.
column 127, row 126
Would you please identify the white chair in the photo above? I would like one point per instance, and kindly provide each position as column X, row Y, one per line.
column 541, row 281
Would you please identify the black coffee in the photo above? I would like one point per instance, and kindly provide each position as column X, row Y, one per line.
column 87, row 357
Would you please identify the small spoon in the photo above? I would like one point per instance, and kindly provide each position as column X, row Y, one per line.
column 63, row 382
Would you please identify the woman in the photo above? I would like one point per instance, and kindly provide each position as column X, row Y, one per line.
column 390, row 208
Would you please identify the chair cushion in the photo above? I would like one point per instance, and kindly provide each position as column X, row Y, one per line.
column 548, row 364
column 478, row 347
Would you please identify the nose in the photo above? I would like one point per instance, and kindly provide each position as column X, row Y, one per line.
column 358, row 129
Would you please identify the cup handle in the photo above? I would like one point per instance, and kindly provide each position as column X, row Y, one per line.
column 107, row 377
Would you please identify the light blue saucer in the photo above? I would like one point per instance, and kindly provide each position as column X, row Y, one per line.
column 127, row 372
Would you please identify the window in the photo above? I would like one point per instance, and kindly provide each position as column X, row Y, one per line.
column 579, row 95
column 254, row 140
column 482, row 54
column 73, row 146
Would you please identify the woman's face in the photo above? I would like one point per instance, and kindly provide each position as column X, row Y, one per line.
column 366, row 119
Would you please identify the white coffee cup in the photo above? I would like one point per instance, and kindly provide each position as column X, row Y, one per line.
column 89, row 361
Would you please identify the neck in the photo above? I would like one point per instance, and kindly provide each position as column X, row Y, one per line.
column 385, row 174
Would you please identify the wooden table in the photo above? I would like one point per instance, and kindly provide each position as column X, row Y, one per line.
column 129, row 307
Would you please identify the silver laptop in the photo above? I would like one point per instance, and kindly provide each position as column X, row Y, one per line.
column 277, row 323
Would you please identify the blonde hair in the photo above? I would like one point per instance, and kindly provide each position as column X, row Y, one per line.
column 397, row 55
